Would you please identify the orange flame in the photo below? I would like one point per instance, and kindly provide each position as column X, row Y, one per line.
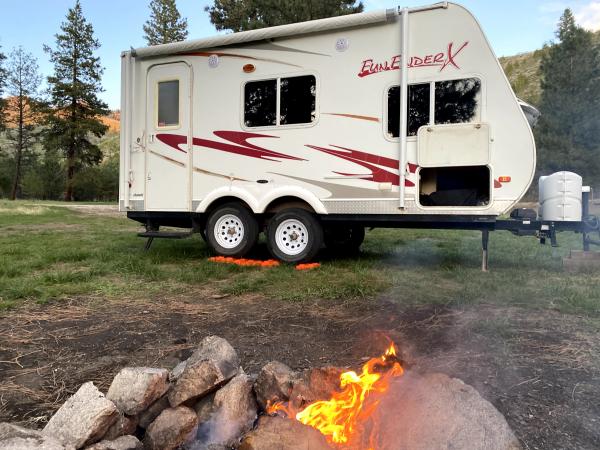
column 343, row 416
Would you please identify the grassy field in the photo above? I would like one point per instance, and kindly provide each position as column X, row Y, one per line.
column 49, row 252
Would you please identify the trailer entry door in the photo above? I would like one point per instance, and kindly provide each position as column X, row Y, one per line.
column 168, row 138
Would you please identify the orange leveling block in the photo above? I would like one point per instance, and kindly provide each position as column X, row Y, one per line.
column 244, row 262
column 308, row 266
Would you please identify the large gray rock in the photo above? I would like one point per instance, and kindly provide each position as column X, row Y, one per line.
column 84, row 418
column 13, row 437
column 210, row 366
column 234, row 411
column 315, row 384
column 120, row 443
column 434, row 411
column 148, row 416
column 283, row 434
column 274, row 384
column 136, row 388
column 123, row 426
column 172, row 428
column 205, row 408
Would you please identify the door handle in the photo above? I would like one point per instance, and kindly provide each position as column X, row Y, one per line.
column 149, row 176
column 151, row 138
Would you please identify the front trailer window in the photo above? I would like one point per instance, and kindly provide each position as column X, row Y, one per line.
column 454, row 101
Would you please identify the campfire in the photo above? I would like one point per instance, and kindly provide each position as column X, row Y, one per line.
column 346, row 416
column 209, row 402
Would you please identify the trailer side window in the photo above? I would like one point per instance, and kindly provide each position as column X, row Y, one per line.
column 260, row 103
column 297, row 101
column 418, row 109
column 168, row 104
column 456, row 100
column 296, row 98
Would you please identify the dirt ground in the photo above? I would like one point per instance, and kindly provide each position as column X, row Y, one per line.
column 541, row 370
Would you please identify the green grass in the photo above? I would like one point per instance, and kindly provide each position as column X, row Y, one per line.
column 48, row 252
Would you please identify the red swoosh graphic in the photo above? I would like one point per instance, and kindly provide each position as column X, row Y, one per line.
column 238, row 144
column 379, row 175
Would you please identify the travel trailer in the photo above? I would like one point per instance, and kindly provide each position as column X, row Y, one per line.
column 313, row 131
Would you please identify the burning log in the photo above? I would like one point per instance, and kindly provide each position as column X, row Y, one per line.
column 342, row 418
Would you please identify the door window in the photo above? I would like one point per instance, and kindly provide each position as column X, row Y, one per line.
column 168, row 104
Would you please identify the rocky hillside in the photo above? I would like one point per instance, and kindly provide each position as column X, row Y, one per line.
column 523, row 71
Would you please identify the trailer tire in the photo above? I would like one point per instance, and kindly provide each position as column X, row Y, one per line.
column 306, row 232
column 231, row 230
column 344, row 240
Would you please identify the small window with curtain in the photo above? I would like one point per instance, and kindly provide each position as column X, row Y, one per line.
column 457, row 101
column 168, row 104
column 418, row 109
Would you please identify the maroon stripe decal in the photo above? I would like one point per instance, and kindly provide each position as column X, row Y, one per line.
column 238, row 144
column 363, row 159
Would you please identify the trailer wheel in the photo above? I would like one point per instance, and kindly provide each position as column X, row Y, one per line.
column 294, row 235
column 231, row 230
column 344, row 240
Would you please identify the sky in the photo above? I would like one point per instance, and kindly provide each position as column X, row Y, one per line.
column 512, row 26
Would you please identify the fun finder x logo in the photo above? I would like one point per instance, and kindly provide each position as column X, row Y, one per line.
column 441, row 60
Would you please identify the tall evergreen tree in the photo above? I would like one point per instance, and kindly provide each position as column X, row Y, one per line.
column 568, row 134
column 2, row 85
column 165, row 24
column 23, row 82
column 75, row 108
column 242, row 15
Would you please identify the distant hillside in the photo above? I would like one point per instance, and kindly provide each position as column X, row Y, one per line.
column 113, row 121
column 523, row 72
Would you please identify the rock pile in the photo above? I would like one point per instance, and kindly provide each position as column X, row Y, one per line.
column 207, row 402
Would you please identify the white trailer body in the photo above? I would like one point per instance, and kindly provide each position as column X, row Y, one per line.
column 327, row 116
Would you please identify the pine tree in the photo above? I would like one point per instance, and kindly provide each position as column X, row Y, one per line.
column 568, row 134
column 2, row 85
column 23, row 82
column 165, row 24
column 242, row 15
column 73, row 115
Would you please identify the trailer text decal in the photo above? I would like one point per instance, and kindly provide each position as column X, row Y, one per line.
column 441, row 60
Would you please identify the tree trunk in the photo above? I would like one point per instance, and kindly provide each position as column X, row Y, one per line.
column 19, row 153
column 70, row 173
column 71, row 149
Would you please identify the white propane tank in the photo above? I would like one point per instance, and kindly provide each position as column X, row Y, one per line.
column 560, row 197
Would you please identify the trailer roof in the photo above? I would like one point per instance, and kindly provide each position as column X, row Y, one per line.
column 294, row 29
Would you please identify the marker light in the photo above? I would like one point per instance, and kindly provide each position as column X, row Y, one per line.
column 504, row 179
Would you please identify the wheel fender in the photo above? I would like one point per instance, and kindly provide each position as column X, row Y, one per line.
column 229, row 191
column 291, row 191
